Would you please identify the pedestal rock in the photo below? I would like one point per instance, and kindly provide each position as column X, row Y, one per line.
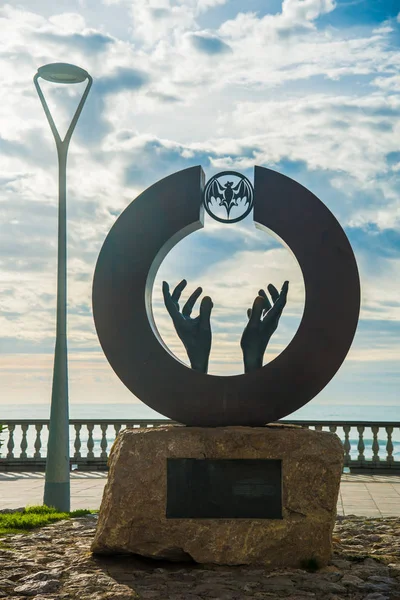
column 133, row 516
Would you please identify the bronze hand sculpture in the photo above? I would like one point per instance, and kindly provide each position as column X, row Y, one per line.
column 195, row 334
column 263, row 321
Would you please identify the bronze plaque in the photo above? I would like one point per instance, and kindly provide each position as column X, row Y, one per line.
column 224, row 488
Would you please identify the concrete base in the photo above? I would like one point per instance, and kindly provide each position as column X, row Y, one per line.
column 133, row 515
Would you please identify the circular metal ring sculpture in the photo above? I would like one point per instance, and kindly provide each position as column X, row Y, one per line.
column 136, row 245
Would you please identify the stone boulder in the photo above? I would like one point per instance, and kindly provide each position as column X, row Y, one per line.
column 133, row 516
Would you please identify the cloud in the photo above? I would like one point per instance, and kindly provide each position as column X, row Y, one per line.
column 153, row 21
column 204, row 5
column 291, row 92
column 122, row 79
column 306, row 10
column 209, row 44
column 390, row 83
column 28, row 377
column 164, row 98
column 296, row 15
column 89, row 42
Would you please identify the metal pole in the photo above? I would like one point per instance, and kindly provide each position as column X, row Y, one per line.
column 57, row 478
column 57, row 482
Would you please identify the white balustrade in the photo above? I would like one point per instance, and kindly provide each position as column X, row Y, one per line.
column 366, row 445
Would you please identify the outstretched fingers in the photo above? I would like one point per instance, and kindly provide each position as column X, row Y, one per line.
column 284, row 292
column 256, row 311
column 176, row 294
column 280, row 302
column 187, row 309
column 267, row 303
column 170, row 305
column 274, row 292
column 206, row 307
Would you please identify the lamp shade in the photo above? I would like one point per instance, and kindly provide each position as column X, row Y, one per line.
column 62, row 73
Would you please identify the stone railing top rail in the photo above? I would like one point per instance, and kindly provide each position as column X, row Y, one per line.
column 337, row 423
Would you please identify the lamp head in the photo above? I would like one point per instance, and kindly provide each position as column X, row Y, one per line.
column 62, row 73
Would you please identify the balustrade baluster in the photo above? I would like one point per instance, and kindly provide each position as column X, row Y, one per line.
column 24, row 441
column 389, row 444
column 10, row 443
column 318, row 428
column 90, row 442
column 117, row 428
column 361, row 445
column 346, row 445
column 375, row 445
column 38, row 440
column 77, row 442
column 103, row 443
column 332, row 428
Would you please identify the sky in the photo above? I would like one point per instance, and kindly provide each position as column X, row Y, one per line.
column 309, row 88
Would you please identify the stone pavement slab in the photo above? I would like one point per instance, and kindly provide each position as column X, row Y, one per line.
column 22, row 489
column 361, row 495
column 370, row 495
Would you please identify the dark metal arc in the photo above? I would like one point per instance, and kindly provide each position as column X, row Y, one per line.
column 124, row 278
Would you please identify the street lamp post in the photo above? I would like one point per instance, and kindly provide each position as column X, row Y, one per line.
column 57, row 482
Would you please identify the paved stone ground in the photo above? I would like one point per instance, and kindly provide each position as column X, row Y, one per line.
column 363, row 495
column 23, row 489
column 55, row 563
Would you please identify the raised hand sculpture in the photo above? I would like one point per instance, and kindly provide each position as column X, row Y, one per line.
column 195, row 333
column 263, row 321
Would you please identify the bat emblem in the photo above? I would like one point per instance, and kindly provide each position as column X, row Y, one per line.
column 228, row 189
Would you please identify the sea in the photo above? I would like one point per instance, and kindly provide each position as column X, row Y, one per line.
column 138, row 410
column 128, row 412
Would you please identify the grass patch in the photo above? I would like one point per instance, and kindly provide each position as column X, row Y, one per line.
column 33, row 517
